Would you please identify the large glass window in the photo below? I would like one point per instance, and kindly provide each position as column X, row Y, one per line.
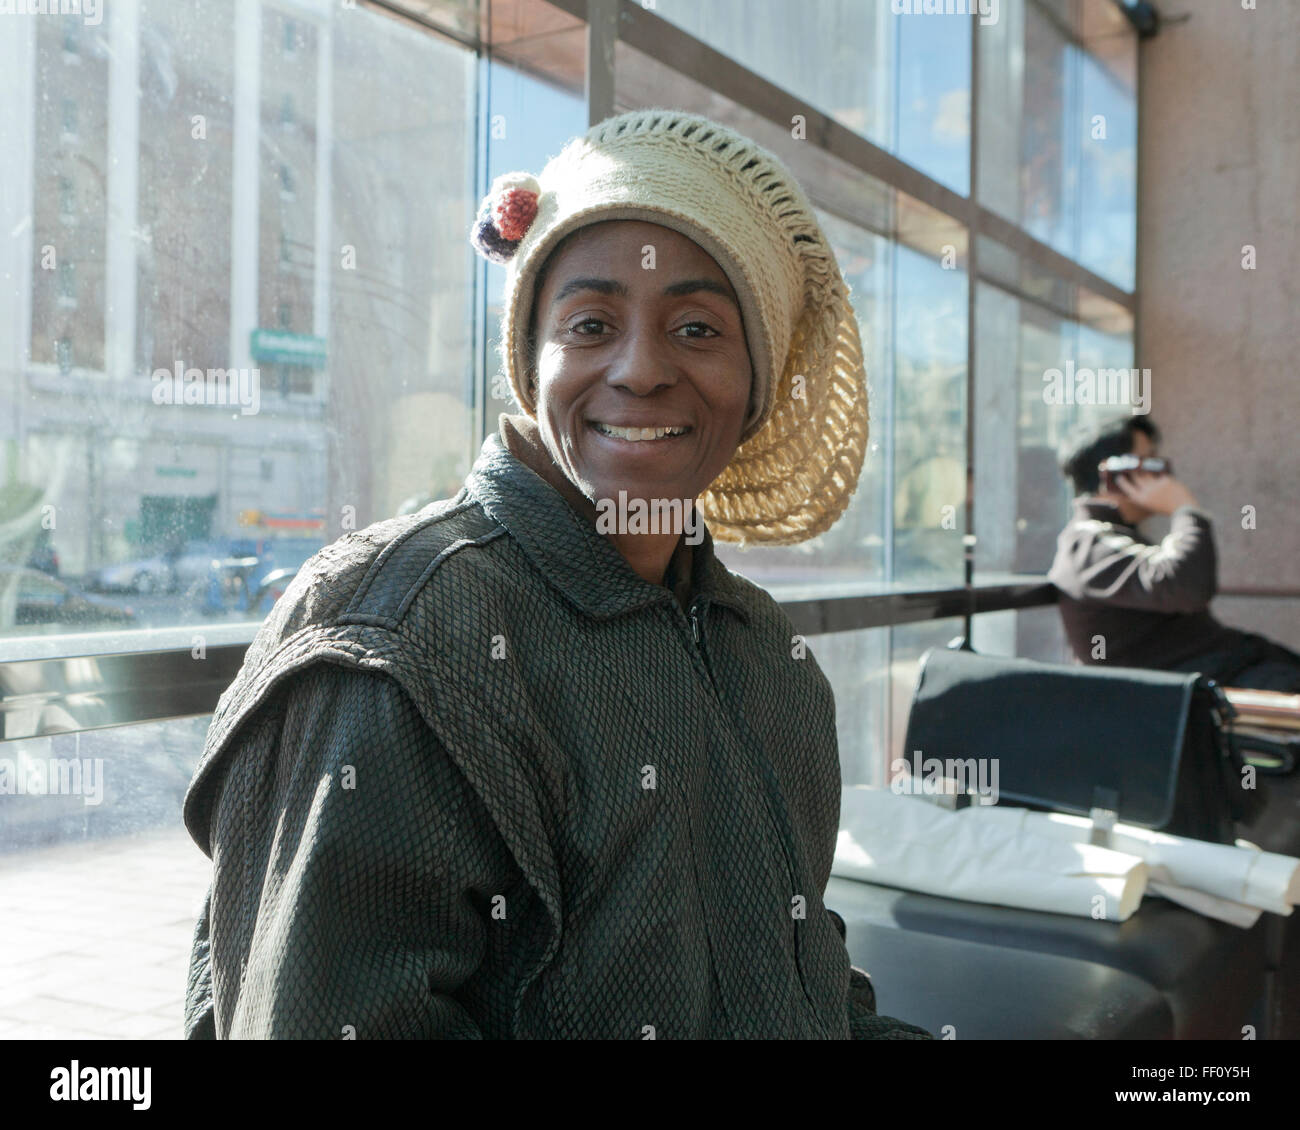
column 245, row 320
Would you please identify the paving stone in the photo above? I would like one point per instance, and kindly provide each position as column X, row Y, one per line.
column 63, row 1014
column 95, row 937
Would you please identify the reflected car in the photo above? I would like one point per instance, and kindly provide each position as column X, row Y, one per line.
column 42, row 599
column 160, row 573
column 284, row 558
column 271, row 588
column 254, row 577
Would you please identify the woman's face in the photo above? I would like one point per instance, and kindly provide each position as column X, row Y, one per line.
column 620, row 346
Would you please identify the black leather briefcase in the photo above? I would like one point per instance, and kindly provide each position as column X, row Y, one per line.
column 1145, row 745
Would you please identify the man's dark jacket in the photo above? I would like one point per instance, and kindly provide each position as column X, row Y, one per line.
column 1128, row 602
column 477, row 778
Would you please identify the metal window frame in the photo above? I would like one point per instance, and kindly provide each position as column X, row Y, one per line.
column 73, row 693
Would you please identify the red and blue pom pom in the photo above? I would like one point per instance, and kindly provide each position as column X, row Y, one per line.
column 505, row 216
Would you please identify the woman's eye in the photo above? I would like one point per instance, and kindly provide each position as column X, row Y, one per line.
column 701, row 326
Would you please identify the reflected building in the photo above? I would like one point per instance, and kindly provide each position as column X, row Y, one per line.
column 225, row 187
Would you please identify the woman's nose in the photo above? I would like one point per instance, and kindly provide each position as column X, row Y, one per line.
column 643, row 362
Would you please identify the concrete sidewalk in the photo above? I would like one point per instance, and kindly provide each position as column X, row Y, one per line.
column 95, row 937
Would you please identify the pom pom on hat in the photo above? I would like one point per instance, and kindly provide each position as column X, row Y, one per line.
column 505, row 215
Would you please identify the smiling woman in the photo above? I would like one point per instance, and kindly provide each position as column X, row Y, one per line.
column 497, row 769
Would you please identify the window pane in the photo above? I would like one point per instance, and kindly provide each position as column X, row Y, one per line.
column 1047, row 343
column 528, row 121
column 1021, row 499
column 836, row 55
column 1049, row 147
column 1039, row 374
column 929, row 433
column 1027, row 158
column 120, row 781
column 70, row 132
column 249, row 321
column 1108, row 175
column 997, row 350
column 1029, row 633
column 934, row 95
column 1058, row 129
column 1002, row 110
column 857, row 666
column 901, row 81
column 908, row 642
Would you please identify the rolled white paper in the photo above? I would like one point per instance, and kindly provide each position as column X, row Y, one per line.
column 903, row 841
column 1234, row 913
column 1235, row 873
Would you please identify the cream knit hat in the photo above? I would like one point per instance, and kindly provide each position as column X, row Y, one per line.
column 805, row 434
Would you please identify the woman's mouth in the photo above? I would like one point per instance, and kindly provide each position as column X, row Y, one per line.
column 640, row 435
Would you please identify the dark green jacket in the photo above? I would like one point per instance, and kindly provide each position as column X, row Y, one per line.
column 477, row 777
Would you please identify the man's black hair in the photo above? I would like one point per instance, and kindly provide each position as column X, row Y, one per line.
column 1091, row 443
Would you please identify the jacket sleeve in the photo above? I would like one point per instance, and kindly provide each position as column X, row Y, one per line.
column 354, row 873
column 864, row 1022
column 1180, row 574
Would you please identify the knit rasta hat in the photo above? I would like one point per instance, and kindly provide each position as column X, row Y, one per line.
column 805, row 432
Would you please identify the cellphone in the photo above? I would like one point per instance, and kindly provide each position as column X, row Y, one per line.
column 1126, row 464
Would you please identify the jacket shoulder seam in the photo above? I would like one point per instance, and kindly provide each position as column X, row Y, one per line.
column 396, row 543
column 355, row 612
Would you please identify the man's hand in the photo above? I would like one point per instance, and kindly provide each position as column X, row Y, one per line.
column 1162, row 494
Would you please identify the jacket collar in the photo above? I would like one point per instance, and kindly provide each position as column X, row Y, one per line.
column 1098, row 509
column 518, row 485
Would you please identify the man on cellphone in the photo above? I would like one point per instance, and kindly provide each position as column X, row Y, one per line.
column 1128, row 602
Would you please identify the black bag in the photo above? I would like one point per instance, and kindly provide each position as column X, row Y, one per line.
column 1147, row 745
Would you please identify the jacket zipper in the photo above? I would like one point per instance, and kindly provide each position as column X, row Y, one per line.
column 696, row 634
column 699, row 647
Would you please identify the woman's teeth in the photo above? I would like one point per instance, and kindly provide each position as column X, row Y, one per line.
column 637, row 434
